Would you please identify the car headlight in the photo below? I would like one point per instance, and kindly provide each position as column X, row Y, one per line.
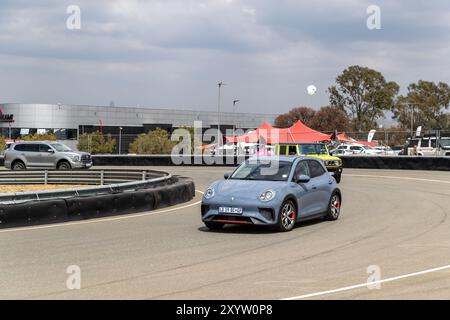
column 209, row 193
column 76, row 158
column 267, row 195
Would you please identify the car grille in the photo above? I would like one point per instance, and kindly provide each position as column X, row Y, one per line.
column 86, row 158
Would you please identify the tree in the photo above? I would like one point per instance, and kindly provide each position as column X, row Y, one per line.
column 329, row 118
column 153, row 142
column 425, row 103
column 96, row 143
column 39, row 137
column 364, row 94
column 304, row 114
column 2, row 144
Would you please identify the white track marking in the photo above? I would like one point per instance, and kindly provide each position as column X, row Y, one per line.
column 396, row 177
column 362, row 285
column 67, row 224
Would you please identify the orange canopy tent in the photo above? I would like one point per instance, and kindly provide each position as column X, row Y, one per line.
column 299, row 132
column 252, row 136
column 296, row 133
column 344, row 138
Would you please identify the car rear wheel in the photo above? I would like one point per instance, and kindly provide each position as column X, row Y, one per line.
column 287, row 216
column 18, row 165
column 214, row 225
column 334, row 207
column 64, row 165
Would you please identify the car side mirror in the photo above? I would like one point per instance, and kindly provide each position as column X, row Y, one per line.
column 302, row 178
column 50, row 151
column 226, row 175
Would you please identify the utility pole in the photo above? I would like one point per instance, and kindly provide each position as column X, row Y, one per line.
column 234, row 108
column 219, row 136
column 120, row 140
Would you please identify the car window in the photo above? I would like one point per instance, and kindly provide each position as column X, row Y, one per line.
column 27, row 147
column 60, row 147
column 355, row 148
column 342, row 147
column 282, row 150
column 424, row 143
column 43, row 148
column 263, row 170
column 315, row 169
column 292, row 151
column 302, row 169
column 433, row 143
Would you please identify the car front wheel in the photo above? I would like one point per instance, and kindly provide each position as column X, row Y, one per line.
column 287, row 216
column 334, row 207
column 64, row 165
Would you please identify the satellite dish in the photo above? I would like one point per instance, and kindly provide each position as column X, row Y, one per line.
column 311, row 90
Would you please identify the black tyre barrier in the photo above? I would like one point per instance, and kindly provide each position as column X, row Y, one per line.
column 363, row 162
column 397, row 162
column 33, row 213
column 79, row 208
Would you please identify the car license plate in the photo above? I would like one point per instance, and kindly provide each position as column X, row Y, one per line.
column 230, row 210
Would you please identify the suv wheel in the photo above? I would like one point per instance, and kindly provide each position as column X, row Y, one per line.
column 18, row 165
column 64, row 165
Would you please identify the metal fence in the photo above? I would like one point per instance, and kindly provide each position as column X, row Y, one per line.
column 105, row 181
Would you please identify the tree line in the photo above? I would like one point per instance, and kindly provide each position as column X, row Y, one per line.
column 361, row 96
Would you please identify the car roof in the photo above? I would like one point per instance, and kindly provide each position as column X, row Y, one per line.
column 37, row 141
column 294, row 143
column 281, row 158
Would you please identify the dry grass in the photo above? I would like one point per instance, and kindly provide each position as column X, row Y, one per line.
column 31, row 187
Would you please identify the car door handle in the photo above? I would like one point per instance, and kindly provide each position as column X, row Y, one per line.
column 313, row 187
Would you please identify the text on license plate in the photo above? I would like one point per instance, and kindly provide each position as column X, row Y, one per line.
column 230, row 210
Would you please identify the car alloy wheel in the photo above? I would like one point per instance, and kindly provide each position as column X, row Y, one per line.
column 287, row 216
column 334, row 208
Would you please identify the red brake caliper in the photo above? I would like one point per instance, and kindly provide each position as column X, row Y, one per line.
column 292, row 215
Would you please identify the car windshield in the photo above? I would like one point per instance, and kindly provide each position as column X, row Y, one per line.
column 312, row 149
column 445, row 142
column 60, row 147
column 263, row 170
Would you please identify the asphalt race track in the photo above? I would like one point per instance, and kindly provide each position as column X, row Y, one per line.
column 395, row 220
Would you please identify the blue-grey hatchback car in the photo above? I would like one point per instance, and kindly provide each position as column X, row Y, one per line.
column 272, row 191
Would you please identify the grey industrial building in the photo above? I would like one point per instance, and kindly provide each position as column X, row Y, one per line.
column 69, row 121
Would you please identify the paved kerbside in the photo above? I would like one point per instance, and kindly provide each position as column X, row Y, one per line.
column 398, row 224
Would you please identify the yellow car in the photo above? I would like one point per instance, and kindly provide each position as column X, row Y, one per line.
column 316, row 150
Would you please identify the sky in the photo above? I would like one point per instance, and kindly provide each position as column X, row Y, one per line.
column 172, row 53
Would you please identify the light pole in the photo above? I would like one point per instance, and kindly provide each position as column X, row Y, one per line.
column 120, row 140
column 234, row 108
column 219, row 142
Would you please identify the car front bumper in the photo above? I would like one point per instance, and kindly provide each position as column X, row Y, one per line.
column 263, row 214
column 81, row 164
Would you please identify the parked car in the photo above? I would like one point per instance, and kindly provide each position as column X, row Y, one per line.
column 384, row 150
column 357, row 149
column 428, row 146
column 46, row 155
column 272, row 191
column 315, row 150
